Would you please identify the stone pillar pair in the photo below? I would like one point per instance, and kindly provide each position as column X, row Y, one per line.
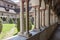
column 37, row 18
column 27, row 34
column 36, row 4
column 42, row 18
column 42, row 14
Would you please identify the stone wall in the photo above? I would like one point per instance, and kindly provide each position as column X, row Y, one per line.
column 45, row 34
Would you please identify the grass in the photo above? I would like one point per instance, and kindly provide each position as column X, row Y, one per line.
column 6, row 29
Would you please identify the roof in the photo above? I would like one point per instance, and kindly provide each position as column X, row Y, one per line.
column 9, row 1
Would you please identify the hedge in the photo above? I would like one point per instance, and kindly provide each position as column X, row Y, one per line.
column 0, row 25
column 18, row 25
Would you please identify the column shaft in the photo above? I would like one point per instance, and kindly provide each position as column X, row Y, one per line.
column 53, row 18
column 21, row 17
column 27, row 19
column 35, row 18
column 38, row 18
column 27, row 16
column 56, row 18
column 43, row 18
column 47, row 16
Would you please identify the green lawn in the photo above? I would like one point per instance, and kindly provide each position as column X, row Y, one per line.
column 6, row 29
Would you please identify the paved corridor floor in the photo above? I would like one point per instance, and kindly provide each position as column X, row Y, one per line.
column 56, row 35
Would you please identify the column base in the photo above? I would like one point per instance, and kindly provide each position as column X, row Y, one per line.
column 43, row 27
column 36, row 30
column 27, row 35
column 21, row 34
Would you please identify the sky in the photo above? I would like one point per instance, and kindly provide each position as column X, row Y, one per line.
column 15, row 0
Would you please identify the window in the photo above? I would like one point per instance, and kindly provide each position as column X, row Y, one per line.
column 11, row 6
column 8, row 5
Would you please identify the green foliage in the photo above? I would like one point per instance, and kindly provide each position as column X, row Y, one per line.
column 0, row 25
column 11, row 21
column 4, row 19
column 18, row 24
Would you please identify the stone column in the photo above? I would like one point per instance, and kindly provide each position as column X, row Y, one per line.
column 43, row 12
column 47, row 16
column 56, row 18
column 53, row 17
column 21, row 17
column 43, row 18
column 27, row 19
column 38, row 18
column 50, row 19
column 35, row 18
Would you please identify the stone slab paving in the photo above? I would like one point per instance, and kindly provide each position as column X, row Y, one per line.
column 17, row 37
column 56, row 35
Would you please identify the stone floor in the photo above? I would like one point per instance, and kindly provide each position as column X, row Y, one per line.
column 17, row 37
column 56, row 35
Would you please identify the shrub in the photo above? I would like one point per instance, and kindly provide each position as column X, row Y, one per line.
column 11, row 21
column 0, row 25
column 18, row 25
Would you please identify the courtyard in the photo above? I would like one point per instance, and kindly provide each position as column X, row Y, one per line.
column 8, row 30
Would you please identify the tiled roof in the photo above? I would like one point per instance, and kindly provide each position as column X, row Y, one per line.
column 10, row 1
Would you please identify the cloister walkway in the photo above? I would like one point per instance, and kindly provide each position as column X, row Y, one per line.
column 56, row 34
column 45, row 20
